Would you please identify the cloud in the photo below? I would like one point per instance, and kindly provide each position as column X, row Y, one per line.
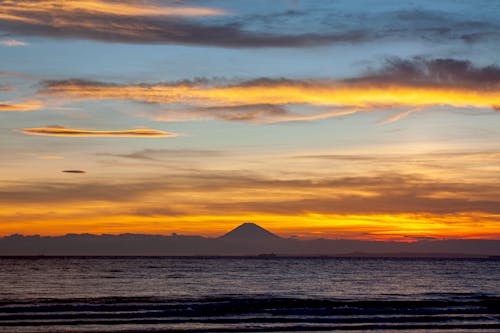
column 414, row 84
column 60, row 192
column 50, row 157
column 161, row 154
column 74, row 171
column 28, row 10
column 438, row 25
column 339, row 157
column 400, row 116
column 245, row 113
column 16, row 75
column 145, row 22
column 20, row 107
column 480, row 36
column 153, row 22
column 71, row 132
column 12, row 43
column 394, row 158
column 6, row 87
column 435, row 72
column 256, row 113
column 290, row 192
column 388, row 204
column 213, row 192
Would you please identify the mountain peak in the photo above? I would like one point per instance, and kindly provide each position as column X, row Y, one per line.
column 249, row 231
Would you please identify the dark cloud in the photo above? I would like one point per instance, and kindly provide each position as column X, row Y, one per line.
column 481, row 36
column 129, row 27
column 245, row 112
column 441, row 72
column 390, row 203
column 394, row 70
column 437, row 25
column 60, row 192
column 155, row 211
column 254, row 113
column 74, row 171
column 138, row 22
column 50, row 84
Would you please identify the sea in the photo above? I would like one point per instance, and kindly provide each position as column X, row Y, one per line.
column 248, row 294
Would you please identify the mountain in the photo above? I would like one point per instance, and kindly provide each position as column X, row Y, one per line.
column 247, row 239
column 249, row 232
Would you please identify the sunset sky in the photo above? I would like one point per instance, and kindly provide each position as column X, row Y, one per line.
column 337, row 119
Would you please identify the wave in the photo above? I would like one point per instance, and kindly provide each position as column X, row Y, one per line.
column 238, row 313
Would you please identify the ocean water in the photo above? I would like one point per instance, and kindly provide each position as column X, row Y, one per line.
column 159, row 294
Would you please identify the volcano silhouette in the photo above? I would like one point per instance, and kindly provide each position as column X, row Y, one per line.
column 249, row 232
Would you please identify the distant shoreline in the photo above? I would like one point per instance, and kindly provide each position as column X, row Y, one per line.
column 276, row 257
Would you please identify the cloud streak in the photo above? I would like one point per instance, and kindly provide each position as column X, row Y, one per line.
column 20, row 10
column 12, row 43
column 252, row 113
column 237, row 193
column 145, row 22
column 164, row 154
column 400, row 116
column 74, row 171
column 72, row 132
column 415, row 84
column 412, row 85
column 6, row 87
column 153, row 22
column 8, row 106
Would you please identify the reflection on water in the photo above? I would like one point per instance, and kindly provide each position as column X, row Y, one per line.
column 275, row 294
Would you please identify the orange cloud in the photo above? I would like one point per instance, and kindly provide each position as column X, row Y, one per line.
column 415, row 84
column 274, row 92
column 22, row 10
column 20, row 107
column 51, row 157
column 198, row 201
column 93, row 218
column 71, row 132
column 281, row 100
column 258, row 101
column 232, row 193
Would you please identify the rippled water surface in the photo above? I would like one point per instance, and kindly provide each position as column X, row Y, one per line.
column 249, row 294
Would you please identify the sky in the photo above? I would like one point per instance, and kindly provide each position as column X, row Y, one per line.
column 376, row 120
